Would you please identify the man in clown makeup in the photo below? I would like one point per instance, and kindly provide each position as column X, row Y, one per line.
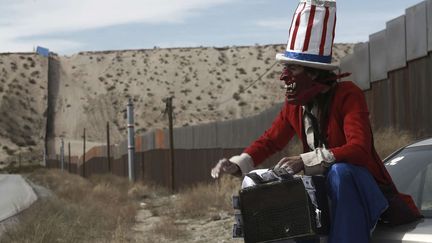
column 332, row 120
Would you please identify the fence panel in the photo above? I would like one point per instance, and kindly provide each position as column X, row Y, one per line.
column 183, row 137
column 139, row 166
column 226, row 136
column 429, row 23
column 193, row 166
column 205, row 136
column 96, row 165
column 416, row 31
column 148, row 139
column 118, row 167
column 419, row 111
column 378, row 56
column 242, row 130
column 396, row 43
column 156, row 167
column 362, row 67
column 347, row 65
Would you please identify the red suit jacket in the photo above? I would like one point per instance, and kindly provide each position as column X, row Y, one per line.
column 349, row 135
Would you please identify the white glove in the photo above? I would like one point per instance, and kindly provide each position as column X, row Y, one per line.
column 225, row 166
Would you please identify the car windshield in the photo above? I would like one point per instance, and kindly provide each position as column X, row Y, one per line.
column 411, row 171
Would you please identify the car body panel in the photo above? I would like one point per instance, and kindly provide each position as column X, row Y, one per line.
column 419, row 231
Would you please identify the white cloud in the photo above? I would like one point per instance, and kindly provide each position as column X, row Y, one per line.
column 27, row 18
column 28, row 45
column 350, row 27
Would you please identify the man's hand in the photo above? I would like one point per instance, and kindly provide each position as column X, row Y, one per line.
column 225, row 166
column 295, row 163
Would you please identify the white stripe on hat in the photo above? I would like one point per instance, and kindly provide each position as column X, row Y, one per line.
column 301, row 34
column 329, row 37
column 300, row 8
column 317, row 30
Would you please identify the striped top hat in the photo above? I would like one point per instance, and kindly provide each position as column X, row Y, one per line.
column 311, row 35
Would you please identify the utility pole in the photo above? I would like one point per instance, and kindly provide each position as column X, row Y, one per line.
column 69, row 158
column 108, row 147
column 169, row 110
column 84, row 150
column 131, row 140
column 62, row 154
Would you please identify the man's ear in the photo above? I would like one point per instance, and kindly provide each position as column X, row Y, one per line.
column 312, row 74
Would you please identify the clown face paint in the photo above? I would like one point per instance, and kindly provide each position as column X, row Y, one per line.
column 300, row 87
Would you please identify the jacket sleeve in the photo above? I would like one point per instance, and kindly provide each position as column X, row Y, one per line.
column 274, row 139
column 356, row 126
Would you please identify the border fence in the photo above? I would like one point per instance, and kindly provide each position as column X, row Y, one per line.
column 394, row 68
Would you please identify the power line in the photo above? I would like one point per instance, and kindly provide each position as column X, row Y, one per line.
column 250, row 85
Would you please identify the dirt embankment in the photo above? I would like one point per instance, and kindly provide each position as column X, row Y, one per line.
column 208, row 84
column 23, row 103
column 87, row 90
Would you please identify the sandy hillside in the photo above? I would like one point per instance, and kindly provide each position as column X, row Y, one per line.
column 23, row 103
column 208, row 84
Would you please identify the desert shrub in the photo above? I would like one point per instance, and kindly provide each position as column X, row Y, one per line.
column 101, row 209
column 236, row 96
column 241, row 71
column 203, row 199
column 387, row 140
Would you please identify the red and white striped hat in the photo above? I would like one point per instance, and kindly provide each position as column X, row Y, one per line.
column 311, row 35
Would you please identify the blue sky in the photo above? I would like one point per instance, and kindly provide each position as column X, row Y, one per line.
column 70, row 26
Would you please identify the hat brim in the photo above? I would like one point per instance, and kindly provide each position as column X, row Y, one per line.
column 318, row 65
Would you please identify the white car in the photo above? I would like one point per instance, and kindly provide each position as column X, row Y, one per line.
column 411, row 171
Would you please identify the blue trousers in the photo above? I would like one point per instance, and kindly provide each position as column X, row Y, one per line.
column 356, row 204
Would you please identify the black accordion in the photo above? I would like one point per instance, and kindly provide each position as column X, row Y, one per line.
column 293, row 207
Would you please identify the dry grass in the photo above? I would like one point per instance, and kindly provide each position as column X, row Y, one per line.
column 169, row 229
column 389, row 140
column 203, row 199
column 101, row 209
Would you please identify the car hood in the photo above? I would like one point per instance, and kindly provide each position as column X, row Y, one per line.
column 420, row 231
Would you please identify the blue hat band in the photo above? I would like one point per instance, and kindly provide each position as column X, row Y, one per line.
column 308, row 57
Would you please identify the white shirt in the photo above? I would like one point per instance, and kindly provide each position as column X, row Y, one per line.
column 318, row 155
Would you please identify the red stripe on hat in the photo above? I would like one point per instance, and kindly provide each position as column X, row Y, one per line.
column 292, row 21
column 334, row 30
column 297, row 25
column 324, row 32
column 309, row 28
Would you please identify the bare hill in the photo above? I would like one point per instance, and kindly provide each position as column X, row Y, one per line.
column 208, row 84
column 89, row 89
column 23, row 102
